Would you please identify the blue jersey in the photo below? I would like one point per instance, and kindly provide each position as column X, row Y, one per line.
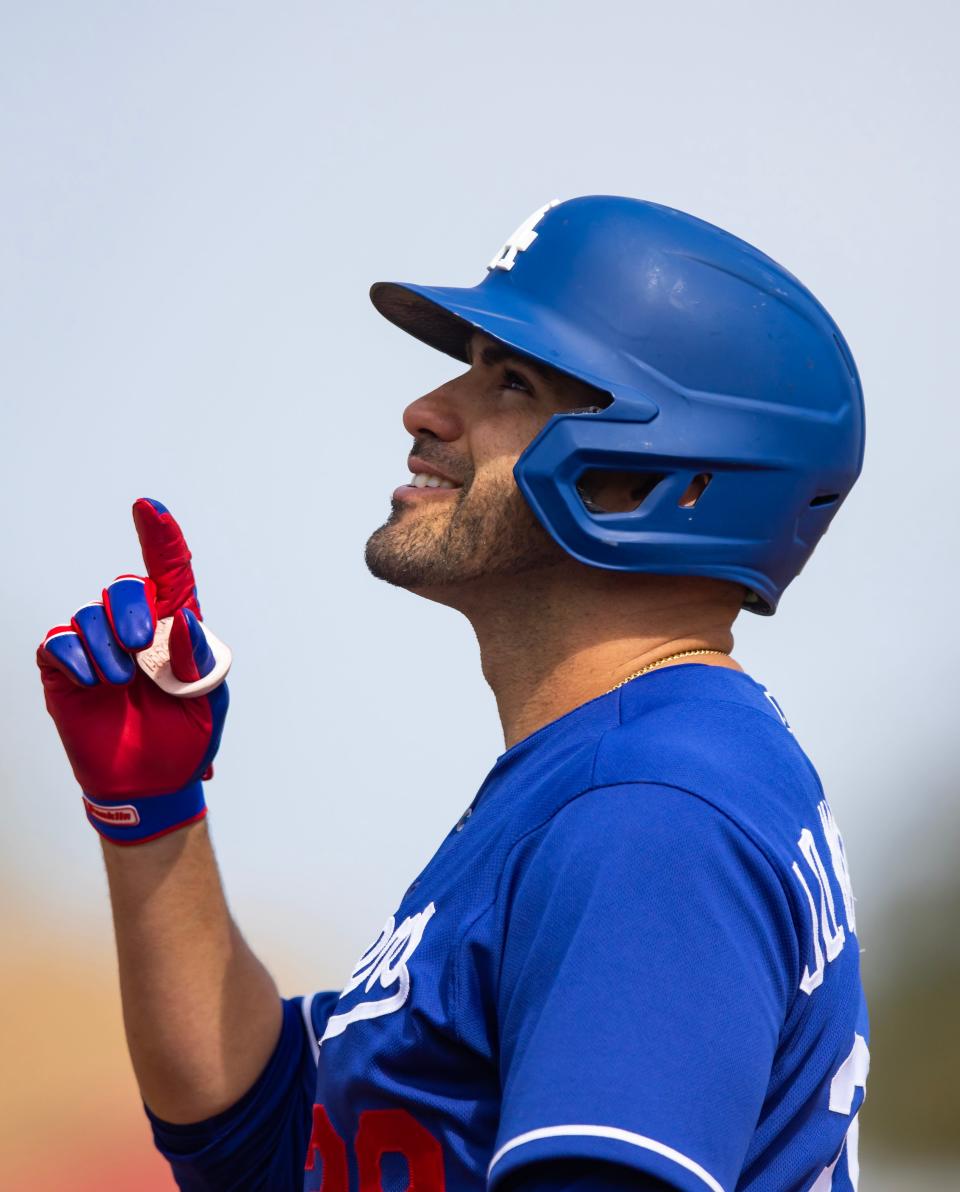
column 638, row 945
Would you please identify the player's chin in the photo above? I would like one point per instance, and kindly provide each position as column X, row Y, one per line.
column 415, row 555
column 399, row 568
column 391, row 554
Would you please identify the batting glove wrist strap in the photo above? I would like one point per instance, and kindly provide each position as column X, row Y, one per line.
column 135, row 821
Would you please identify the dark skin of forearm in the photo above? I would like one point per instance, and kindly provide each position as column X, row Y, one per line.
column 202, row 1014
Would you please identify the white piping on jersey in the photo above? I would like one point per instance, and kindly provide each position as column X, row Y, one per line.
column 647, row 1144
column 306, row 1008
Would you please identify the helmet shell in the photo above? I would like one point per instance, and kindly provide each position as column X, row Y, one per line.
column 719, row 362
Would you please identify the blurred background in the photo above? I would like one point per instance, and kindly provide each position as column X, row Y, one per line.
column 196, row 197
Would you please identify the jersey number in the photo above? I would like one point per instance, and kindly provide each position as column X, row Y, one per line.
column 850, row 1076
column 381, row 1132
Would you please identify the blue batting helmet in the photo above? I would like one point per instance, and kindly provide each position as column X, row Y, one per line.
column 728, row 379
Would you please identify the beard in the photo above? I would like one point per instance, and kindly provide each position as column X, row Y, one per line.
column 487, row 531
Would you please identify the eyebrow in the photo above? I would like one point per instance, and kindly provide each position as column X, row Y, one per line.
column 494, row 354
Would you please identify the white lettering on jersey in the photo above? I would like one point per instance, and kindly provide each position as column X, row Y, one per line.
column 811, row 980
column 827, row 933
column 833, row 933
column 384, row 962
column 521, row 239
column 838, row 856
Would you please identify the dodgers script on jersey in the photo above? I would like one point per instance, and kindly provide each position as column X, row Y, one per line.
column 638, row 945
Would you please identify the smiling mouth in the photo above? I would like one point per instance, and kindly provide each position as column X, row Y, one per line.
column 429, row 480
column 425, row 486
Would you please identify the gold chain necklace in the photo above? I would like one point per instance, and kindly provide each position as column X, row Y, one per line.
column 660, row 661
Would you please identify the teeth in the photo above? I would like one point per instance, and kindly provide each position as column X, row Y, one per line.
column 426, row 480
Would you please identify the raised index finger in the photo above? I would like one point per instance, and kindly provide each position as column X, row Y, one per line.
column 166, row 556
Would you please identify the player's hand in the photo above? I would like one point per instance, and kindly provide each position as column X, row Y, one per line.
column 138, row 753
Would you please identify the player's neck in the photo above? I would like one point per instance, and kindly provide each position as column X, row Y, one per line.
column 550, row 641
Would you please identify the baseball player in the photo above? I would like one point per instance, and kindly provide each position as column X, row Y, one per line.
column 632, row 962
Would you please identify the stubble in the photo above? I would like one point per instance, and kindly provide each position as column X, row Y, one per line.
column 490, row 531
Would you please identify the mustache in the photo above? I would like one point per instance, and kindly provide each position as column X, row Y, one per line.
column 442, row 457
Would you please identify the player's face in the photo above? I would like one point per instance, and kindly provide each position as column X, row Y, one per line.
column 461, row 517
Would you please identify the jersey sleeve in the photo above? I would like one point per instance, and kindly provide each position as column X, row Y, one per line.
column 648, row 961
column 259, row 1144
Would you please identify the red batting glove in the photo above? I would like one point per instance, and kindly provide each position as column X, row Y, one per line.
column 138, row 753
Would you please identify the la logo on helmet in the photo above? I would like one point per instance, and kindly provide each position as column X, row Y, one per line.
column 521, row 239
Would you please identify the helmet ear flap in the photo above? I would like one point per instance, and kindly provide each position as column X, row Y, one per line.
column 613, row 497
column 580, row 490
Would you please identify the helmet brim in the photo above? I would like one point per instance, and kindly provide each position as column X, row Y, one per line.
column 445, row 317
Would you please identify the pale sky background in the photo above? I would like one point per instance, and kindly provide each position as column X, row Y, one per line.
column 195, row 199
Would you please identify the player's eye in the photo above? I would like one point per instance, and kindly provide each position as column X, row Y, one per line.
column 513, row 380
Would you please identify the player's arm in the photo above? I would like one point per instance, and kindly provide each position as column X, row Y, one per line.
column 202, row 1014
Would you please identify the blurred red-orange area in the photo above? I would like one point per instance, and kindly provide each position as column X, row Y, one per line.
column 70, row 1115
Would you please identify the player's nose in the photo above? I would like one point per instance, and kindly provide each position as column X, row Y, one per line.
column 435, row 414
